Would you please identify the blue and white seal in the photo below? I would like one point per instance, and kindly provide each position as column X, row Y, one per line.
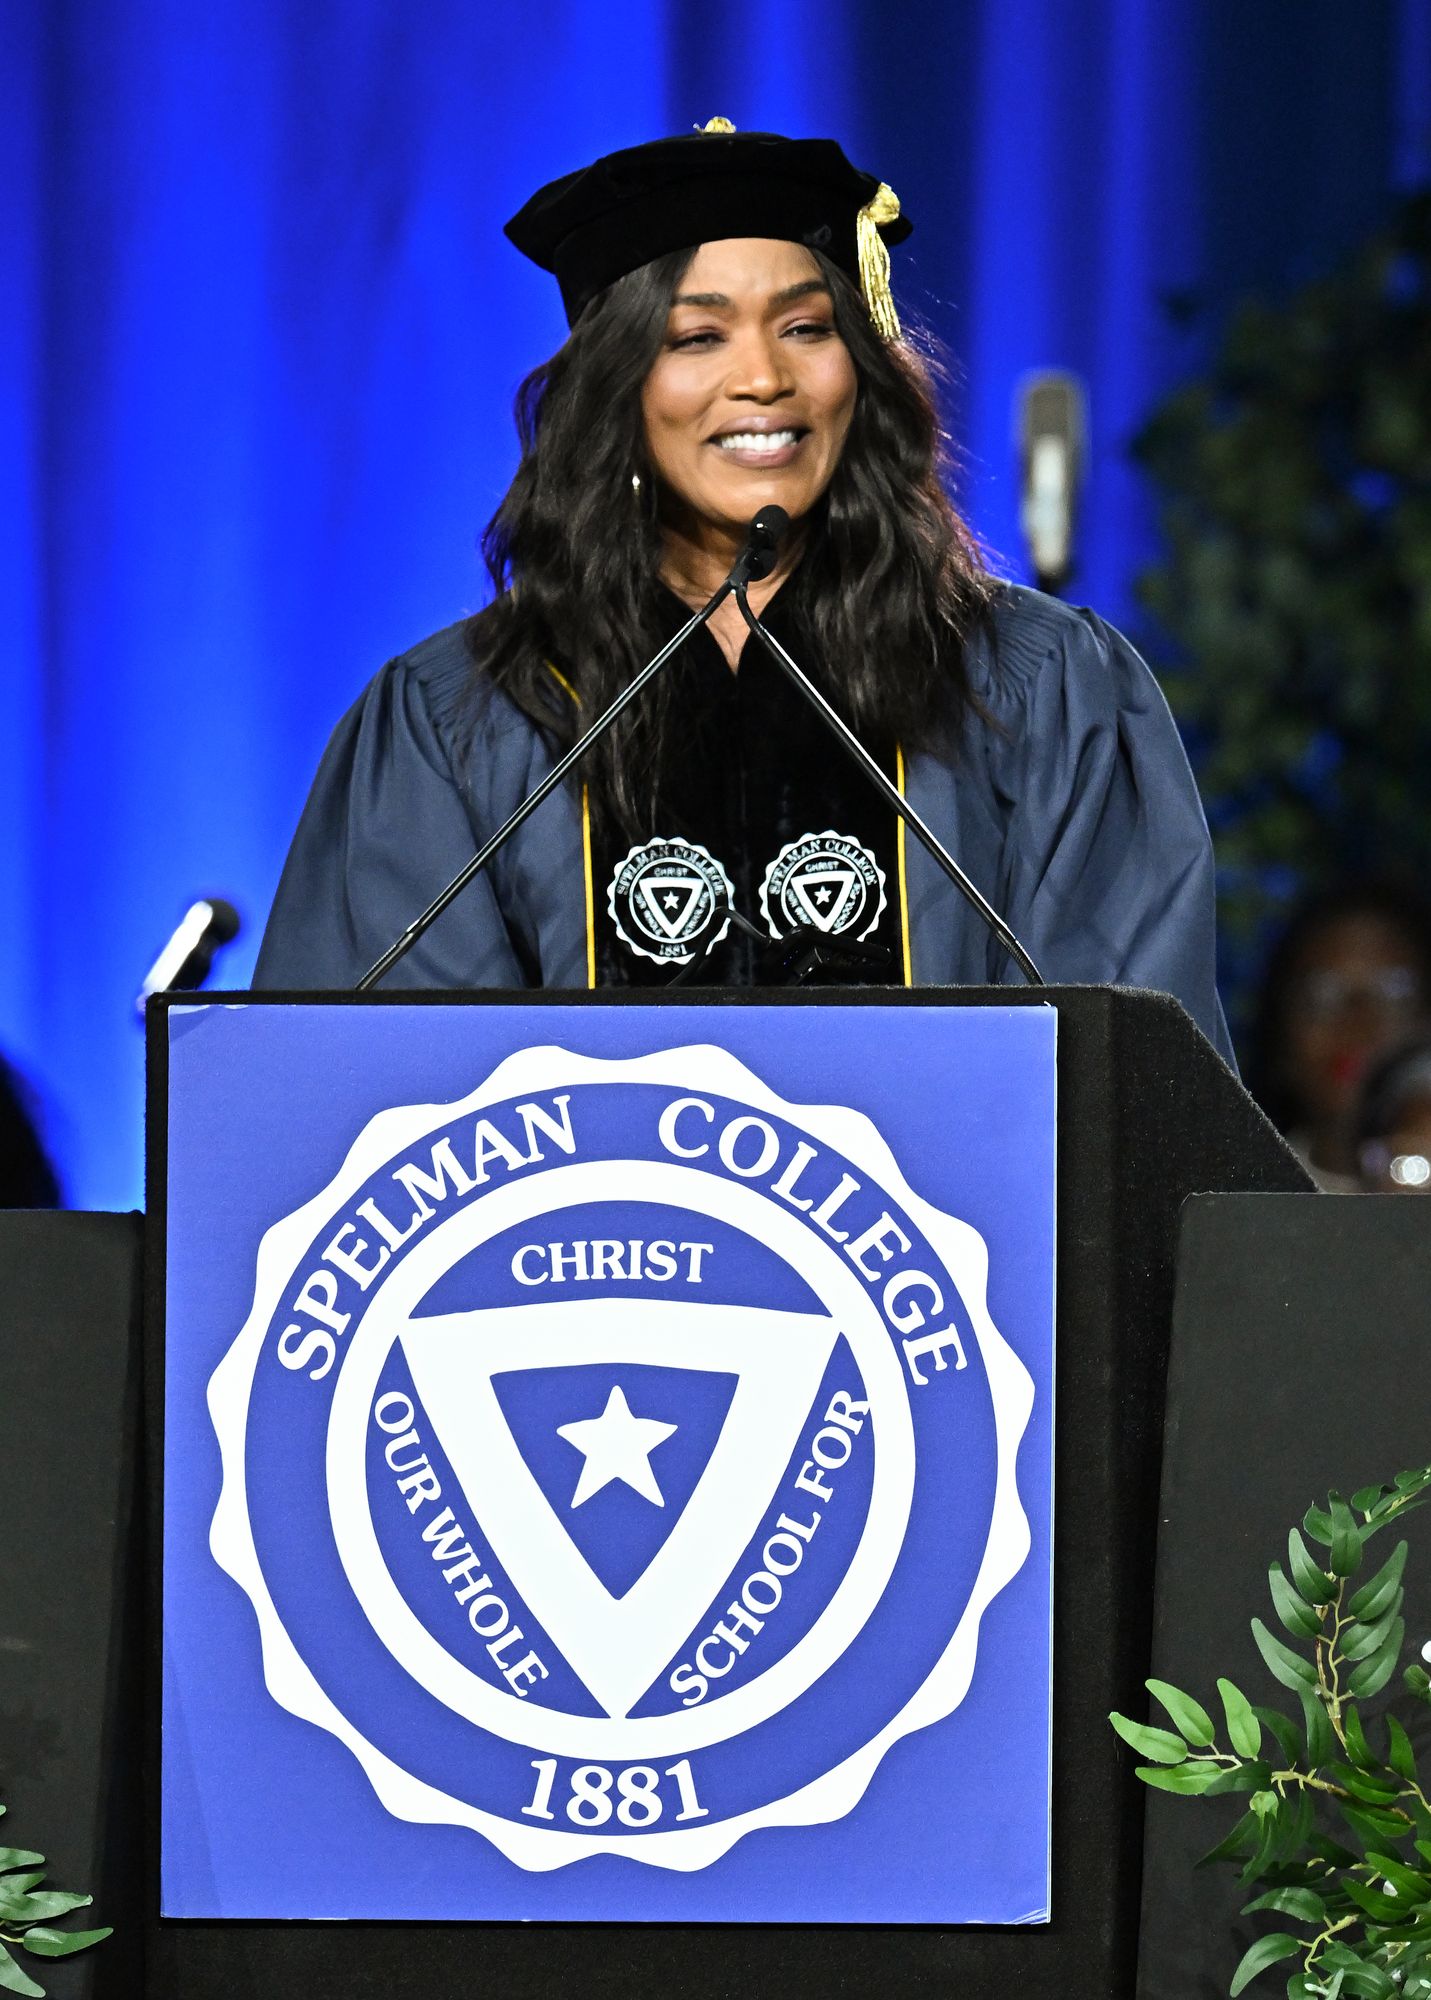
column 665, row 897
column 620, row 1459
column 827, row 882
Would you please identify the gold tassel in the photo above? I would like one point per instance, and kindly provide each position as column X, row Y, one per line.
column 882, row 207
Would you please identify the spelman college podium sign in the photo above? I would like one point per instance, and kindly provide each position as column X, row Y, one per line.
column 634, row 1465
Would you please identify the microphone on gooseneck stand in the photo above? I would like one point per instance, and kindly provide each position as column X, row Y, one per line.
column 772, row 523
column 754, row 561
column 185, row 961
column 704, row 942
column 1052, row 430
column 762, row 544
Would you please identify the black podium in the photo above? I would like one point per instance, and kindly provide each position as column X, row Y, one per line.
column 1300, row 1361
column 71, row 1643
column 1147, row 1115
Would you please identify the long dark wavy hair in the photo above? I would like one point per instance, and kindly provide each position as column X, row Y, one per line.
column 889, row 588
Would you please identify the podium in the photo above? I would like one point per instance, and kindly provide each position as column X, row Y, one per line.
column 1146, row 1114
column 1317, row 1312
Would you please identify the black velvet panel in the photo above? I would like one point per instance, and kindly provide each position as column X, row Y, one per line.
column 751, row 770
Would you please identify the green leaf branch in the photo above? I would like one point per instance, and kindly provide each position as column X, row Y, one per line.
column 27, row 1914
column 1336, row 1833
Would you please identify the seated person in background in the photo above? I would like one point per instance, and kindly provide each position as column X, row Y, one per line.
column 1394, row 1126
column 27, row 1180
column 1348, row 982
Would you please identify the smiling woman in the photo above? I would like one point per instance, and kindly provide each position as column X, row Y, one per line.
column 734, row 345
column 748, row 404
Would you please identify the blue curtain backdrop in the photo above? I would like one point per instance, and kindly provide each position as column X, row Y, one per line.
column 261, row 330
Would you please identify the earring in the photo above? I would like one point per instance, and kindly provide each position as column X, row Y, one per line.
column 636, row 484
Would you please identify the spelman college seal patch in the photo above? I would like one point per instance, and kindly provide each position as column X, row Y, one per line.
column 607, row 1459
column 825, row 881
column 664, row 899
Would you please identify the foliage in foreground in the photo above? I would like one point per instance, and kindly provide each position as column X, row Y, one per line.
column 26, row 1914
column 1336, row 1837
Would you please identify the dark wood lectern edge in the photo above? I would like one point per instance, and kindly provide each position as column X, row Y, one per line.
column 160, row 1004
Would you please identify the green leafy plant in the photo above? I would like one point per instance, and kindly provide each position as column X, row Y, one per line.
column 1292, row 609
column 1336, row 1836
column 26, row 1918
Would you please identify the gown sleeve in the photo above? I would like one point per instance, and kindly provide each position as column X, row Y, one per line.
column 386, row 825
column 1108, row 865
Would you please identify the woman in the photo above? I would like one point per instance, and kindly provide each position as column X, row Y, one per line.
column 733, row 344
column 1348, row 982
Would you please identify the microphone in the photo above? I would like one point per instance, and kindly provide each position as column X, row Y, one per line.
column 184, row 963
column 1052, row 431
column 890, row 793
column 762, row 542
column 755, row 560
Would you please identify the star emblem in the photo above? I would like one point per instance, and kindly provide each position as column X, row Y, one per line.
column 617, row 1445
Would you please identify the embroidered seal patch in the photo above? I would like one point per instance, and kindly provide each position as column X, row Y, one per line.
column 825, row 880
column 620, row 1459
column 663, row 897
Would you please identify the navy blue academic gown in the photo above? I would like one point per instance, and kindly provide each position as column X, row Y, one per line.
column 1070, row 804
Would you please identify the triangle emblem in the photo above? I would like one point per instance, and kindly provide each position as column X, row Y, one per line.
column 825, row 913
column 617, row 1645
column 669, row 900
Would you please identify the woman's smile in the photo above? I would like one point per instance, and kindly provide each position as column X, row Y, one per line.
column 762, row 448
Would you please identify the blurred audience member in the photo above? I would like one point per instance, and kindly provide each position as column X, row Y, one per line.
column 1348, row 982
column 27, row 1180
column 1394, row 1126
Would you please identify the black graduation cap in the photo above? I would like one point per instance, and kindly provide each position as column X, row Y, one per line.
column 595, row 225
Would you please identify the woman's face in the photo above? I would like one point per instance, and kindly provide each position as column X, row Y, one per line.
column 751, row 396
column 1356, row 994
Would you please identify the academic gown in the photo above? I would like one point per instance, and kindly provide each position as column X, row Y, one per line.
column 1069, row 802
